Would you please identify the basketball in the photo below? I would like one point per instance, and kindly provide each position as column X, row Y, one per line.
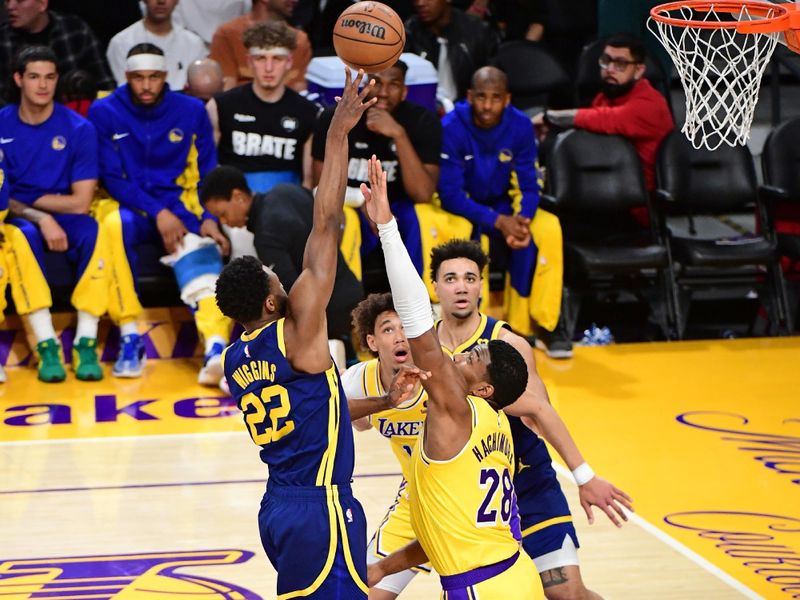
column 370, row 36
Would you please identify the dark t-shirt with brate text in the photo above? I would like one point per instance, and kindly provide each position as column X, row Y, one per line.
column 257, row 136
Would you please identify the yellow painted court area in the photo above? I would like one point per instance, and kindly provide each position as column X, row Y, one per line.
column 706, row 437
column 159, row 471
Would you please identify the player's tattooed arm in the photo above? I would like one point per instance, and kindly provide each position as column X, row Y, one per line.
column 553, row 577
column 54, row 236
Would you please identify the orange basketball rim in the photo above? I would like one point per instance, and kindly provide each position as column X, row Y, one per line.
column 772, row 18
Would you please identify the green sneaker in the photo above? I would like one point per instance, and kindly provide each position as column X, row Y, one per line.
column 51, row 367
column 84, row 360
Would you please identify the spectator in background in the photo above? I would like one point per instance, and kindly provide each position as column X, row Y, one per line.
column 30, row 23
column 512, row 19
column 406, row 138
column 77, row 90
column 457, row 43
column 203, row 79
column 104, row 18
column 281, row 223
column 156, row 145
column 489, row 176
column 227, row 47
column 51, row 165
column 264, row 128
column 181, row 47
column 626, row 105
column 204, row 16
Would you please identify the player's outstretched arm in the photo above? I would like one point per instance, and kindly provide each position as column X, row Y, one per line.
column 448, row 424
column 305, row 329
column 535, row 406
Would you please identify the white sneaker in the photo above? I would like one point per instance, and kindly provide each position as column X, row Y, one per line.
column 211, row 372
column 2, row 374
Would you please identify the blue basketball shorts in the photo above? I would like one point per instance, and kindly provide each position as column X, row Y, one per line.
column 316, row 538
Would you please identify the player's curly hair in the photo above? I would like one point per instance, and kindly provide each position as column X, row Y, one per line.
column 274, row 34
column 470, row 249
column 366, row 313
column 508, row 373
column 242, row 288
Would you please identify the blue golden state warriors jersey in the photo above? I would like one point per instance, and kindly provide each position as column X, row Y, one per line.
column 49, row 157
column 534, row 465
column 300, row 420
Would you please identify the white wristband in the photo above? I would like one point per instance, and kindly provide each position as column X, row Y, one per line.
column 583, row 474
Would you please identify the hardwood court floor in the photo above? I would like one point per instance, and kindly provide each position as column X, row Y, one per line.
column 150, row 488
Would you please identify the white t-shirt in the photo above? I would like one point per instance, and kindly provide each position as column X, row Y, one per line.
column 181, row 48
column 204, row 16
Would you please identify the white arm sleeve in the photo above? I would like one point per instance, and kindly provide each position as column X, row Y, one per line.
column 408, row 291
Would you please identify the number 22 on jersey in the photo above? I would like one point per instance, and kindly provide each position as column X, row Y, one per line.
column 268, row 421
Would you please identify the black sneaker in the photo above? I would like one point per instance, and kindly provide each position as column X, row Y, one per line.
column 555, row 344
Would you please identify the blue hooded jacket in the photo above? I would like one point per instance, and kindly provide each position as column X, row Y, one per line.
column 488, row 172
column 154, row 157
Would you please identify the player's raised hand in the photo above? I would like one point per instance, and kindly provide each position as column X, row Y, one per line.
column 376, row 196
column 403, row 384
column 607, row 497
column 352, row 103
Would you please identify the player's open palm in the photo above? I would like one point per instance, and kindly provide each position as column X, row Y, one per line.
column 376, row 196
column 607, row 497
column 351, row 104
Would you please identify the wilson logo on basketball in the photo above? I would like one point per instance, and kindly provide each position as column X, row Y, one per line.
column 363, row 27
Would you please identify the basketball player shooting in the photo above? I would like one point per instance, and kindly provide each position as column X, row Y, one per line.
column 282, row 377
column 463, row 506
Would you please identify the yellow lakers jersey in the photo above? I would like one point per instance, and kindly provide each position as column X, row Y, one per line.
column 464, row 510
column 400, row 425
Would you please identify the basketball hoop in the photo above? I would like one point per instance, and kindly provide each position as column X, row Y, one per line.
column 721, row 50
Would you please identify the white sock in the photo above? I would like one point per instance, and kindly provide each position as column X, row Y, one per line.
column 42, row 324
column 87, row 326
column 131, row 328
column 214, row 339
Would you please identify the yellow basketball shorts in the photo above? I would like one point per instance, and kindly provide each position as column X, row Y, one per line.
column 519, row 581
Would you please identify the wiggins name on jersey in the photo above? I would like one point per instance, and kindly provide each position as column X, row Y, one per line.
column 296, row 418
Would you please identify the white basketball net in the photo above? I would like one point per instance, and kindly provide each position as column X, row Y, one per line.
column 721, row 72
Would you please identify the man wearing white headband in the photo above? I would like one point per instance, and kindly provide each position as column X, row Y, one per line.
column 263, row 128
column 181, row 47
column 156, row 145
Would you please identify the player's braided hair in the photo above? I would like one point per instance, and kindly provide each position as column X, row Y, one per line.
column 366, row 313
column 508, row 373
column 242, row 288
